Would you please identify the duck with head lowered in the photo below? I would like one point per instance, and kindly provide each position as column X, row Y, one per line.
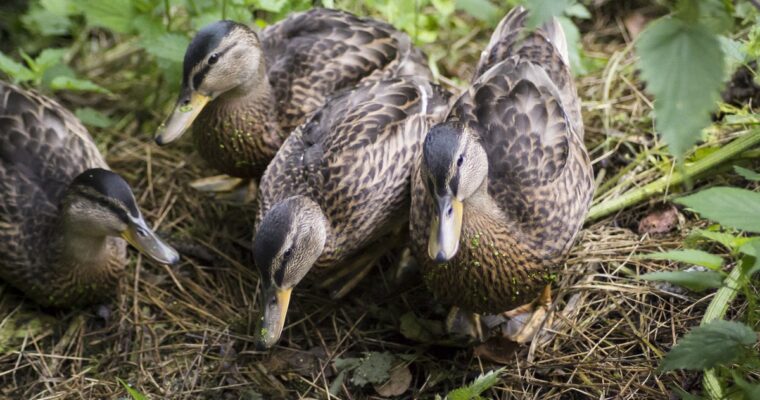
column 338, row 189
column 504, row 182
column 244, row 92
column 64, row 217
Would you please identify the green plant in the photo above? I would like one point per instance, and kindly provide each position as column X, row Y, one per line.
column 723, row 349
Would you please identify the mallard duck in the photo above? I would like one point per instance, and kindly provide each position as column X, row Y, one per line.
column 338, row 187
column 244, row 92
column 64, row 217
column 505, row 181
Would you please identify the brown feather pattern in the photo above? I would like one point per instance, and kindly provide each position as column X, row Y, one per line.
column 524, row 107
column 42, row 148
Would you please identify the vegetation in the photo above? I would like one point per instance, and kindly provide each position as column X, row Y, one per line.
column 664, row 67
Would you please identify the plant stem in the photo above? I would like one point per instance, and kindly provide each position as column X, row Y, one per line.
column 716, row 310
column 688, row 172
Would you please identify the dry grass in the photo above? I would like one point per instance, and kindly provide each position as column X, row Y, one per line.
column 185, row 332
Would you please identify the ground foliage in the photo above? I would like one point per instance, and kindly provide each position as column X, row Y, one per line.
column 185, row 332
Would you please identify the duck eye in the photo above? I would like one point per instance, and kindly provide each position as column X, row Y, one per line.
column 286, row 255
column 460, row 160
column 213, row 58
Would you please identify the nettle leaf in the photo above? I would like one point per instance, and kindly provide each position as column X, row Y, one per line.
column 541, row 11
column 747, row 174
column 728, row 206
column 76, row 85
column 16, row 71
column 47, row 59
column 682, row 64
column 92, row 117
column 478, row 386
column 483, row 10
column 115, row 15
column 696, row 281
column 169, row 46
column 375, row 369
column 688, row 256
column 718, row 342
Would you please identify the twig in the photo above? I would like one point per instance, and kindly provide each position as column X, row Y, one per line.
column 688, row 172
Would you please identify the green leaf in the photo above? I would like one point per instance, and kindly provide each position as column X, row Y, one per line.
column 751, row 249
column 688, row 256
column 574, row 47
column 375, row 368
column 682, row 64
column 169, row 46
column 696, row 281
column 92, row 117
column 76, row 85
column 131, row 391
column 342, row 364
column 115, row 15
column 578, row 10
column 685, row 395
column 747, row 174
column 15, row 71
column 729, row 241
column 728, row 206
column 444, row 7
column 47, row 59
column 541, row 11
column 478, row 386
column 274, row 6
column 750, row 390
column 45, row 22
column 718, row 342
column 483, row 10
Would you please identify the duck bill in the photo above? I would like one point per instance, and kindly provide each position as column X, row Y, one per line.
column 139, row 235
column 189, row 105
column 275, row 303
column 445, row 230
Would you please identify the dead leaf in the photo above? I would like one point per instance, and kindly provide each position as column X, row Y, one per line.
column 660, row 221
column 398, row 382
column 635, row 23
column 497, row 349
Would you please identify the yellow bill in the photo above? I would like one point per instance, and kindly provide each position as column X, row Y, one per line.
column 187, row 109
column 446, row 229
column 275, row 307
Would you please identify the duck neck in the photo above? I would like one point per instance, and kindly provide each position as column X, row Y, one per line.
column 78, row 247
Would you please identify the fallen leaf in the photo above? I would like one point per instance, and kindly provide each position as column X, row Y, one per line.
column 398, row 382
column 660, row 221
column 497, row 349
column 635, row 23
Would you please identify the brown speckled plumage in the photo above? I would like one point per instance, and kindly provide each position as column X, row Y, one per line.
column 523, row 109
column 354, row 158
column 43, row 147
column 308, row 57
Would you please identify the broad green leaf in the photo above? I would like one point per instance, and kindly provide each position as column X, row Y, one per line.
column 342, row 364
column 483, row 10
column 726, row 239
column 751, row 249
column 14, row 70
column 716, row 15
column 92, row 117
column 682, row 64
column 574, row 47
column 578, row 10
column 76, row 85
column 688, row 256
column 375, row 368
column 542, row 11
column 271, row 5
column 718, row 342
column 685, row 395
column 134, row 394
column 169, row 46
column 747, row 174
column 115, row 15
column 696, row 281
column 478, row 386
column 750, row 390
column 47, row 59
column 728, row 206
column 444, row 7
column 45, row 22
column 336, row 384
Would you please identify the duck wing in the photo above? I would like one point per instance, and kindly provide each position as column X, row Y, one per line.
column 314, row 54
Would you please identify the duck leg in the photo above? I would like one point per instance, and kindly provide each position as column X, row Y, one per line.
column 345, row 278
column 229, row 188
column 464, row 325
column 526, row 321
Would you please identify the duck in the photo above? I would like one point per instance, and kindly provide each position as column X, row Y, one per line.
column 337, row 192
column 244, row 92
column 65, row 218
column 504, row 182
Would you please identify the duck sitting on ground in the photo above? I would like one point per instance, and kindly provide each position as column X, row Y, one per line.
column 338, row 189
column 505, row 182
column 64, row 217
column 245, row 92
